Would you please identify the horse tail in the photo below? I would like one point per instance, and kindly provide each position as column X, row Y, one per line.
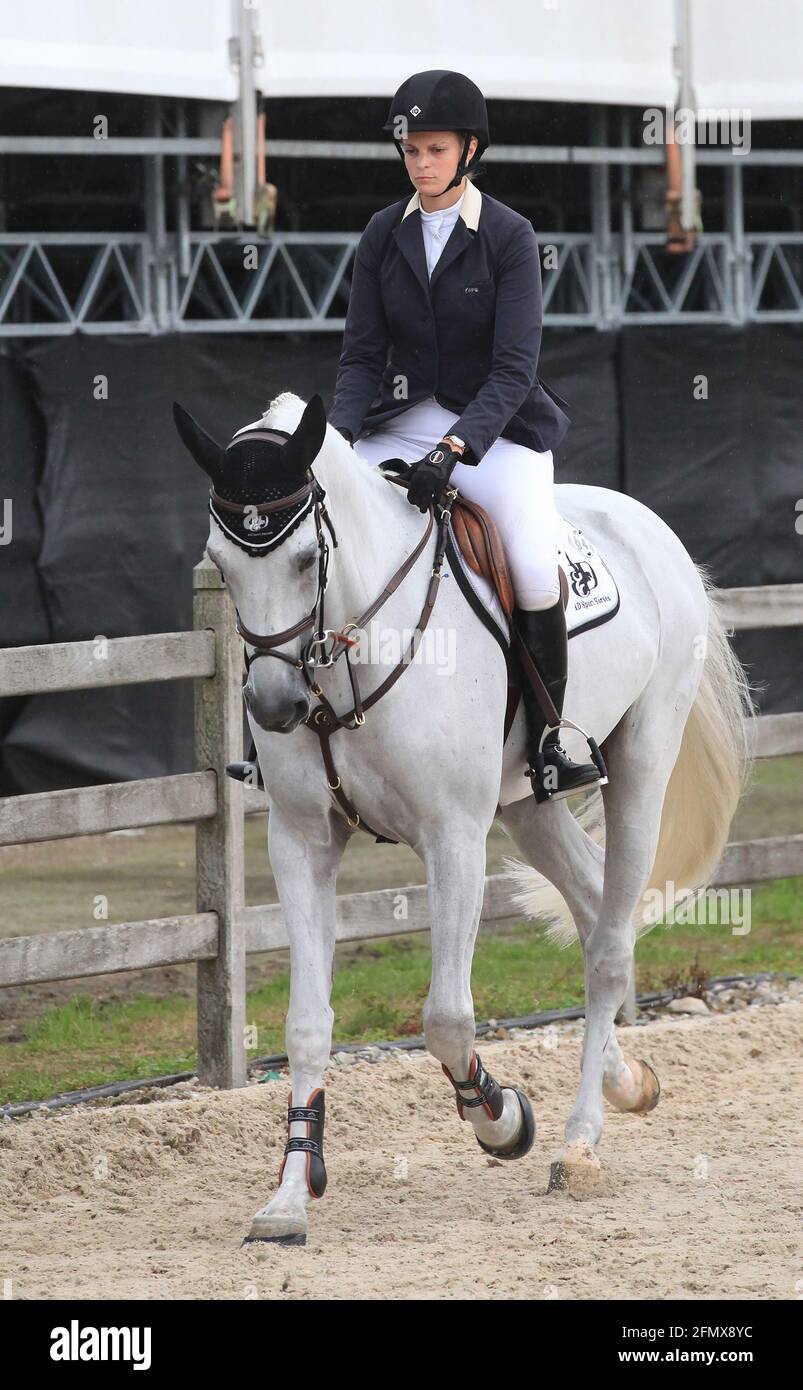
column 711, row 773
column 537, row 898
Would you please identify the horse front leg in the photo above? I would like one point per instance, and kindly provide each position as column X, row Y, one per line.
column 305, row 860
column 501, row 1116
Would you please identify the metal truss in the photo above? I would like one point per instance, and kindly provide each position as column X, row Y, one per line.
column 63, row 283
column 776, row 281
column 82, row 282
column 653, row 285
column 287, row 281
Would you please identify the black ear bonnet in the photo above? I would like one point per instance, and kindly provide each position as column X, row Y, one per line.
column 258, row 466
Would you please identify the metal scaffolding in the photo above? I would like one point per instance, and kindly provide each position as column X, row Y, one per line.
column 164, row 281
column 60, row 283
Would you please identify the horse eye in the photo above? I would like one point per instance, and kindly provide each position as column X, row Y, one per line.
column 307, row 561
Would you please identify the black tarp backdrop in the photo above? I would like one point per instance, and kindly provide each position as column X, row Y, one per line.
column 112, row 512
column 23, row 613
column 581, row 365
column 724, row 473
column 124, row 521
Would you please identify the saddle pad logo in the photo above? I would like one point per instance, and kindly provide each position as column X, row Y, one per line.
column 583, row 579
column 593, row 595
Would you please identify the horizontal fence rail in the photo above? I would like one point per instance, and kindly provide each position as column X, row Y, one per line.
column 223, row 930
column 772, row 605
column 164, row 656
column 73, row 955
column 189, row 796
column 69, row 955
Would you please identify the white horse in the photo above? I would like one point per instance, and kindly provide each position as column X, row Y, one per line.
column 657, row 685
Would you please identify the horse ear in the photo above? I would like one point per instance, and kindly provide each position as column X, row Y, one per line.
column 206, row 452
column 311, row 432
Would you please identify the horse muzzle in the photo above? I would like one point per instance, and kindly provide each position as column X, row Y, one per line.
column 275, row 718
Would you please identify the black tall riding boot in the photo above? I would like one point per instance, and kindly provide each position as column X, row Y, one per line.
column 552, row 772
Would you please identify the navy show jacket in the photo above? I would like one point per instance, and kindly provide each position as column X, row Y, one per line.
column 469, row 335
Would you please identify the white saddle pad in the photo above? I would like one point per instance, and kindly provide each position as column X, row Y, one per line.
column 593, row 594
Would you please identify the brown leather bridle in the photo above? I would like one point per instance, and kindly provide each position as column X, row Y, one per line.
column 266, row 645
column 323, row 720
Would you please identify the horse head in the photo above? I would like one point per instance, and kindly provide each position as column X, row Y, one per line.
column 267, row 541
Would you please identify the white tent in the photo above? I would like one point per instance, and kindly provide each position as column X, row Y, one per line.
column 744, row 54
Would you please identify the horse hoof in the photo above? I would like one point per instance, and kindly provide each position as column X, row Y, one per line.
column 525, row 1140
column 260, row 1241
column 651, row 1088
column 577, row 1172
column 647, row 1096
column 276, row 1229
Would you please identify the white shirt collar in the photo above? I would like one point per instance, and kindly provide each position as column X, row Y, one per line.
column 449, row 214
column 469, row 211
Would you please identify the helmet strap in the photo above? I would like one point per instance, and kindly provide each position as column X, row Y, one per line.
column 460, row 170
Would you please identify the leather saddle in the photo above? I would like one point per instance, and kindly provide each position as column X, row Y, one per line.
column 481, row 547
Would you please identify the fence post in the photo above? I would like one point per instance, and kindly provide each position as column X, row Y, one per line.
column 219, row 864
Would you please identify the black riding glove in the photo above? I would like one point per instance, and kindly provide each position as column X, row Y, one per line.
column 395, row 466
column 429, row 477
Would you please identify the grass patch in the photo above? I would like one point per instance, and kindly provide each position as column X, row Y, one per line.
column 85, row 1042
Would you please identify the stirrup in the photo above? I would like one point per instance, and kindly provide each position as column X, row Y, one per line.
column 583, row 775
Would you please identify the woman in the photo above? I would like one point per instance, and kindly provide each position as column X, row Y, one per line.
column 439, row 362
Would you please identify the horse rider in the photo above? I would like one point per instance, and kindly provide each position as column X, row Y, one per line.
column 439, row 369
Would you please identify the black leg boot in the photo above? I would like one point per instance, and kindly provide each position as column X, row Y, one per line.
column 247, row 771
column 552, row 772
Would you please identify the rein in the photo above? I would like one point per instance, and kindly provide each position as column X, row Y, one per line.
column 323, row 720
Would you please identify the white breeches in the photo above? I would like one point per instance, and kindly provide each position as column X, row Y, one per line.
column 512, row 483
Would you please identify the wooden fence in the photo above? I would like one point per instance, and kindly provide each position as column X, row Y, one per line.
column 223, row 931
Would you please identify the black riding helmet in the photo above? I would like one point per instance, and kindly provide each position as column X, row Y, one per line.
column 441, row 100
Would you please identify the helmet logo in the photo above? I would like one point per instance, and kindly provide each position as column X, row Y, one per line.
column 415, row 110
